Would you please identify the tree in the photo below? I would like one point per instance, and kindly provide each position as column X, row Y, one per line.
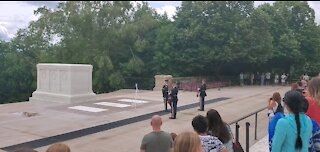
column 207, row 35
column 116, row 38
column 293, row 44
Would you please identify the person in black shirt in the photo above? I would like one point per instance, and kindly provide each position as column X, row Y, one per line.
column 165, row 94
column 174, row 100
column 202, row 91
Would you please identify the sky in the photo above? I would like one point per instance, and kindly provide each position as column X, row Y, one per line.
column 18, row 14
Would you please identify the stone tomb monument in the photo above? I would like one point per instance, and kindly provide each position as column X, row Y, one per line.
column 64, row 83
column 159, row 81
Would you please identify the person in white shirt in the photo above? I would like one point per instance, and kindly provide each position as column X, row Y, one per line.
column 262, row 78
column 268, row 77
column 241, row 79
column 283, row 79
column 276, row 79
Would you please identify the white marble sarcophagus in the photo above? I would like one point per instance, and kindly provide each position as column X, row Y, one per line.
column 64, row 83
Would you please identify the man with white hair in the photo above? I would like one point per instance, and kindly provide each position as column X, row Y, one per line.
column 157, row 140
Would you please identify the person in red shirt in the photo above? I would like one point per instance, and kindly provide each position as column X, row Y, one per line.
column 313, row 110
column 313, row 96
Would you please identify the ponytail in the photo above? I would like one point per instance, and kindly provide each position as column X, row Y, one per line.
column 294, row 101
column 279, row 108
column 298, row 141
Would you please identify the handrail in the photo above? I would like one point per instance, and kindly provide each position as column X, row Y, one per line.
column 246, row 116
column 247, row 126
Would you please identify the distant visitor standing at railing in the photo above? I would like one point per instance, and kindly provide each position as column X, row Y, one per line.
column 241, row 79
column 276, row 79
column 268, row 77
column 263, row 76
column 283, row 79
column 252, row 78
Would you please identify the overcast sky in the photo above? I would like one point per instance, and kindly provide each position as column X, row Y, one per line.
column 18, row 14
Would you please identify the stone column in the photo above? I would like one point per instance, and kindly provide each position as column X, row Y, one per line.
column 66, row 83
column 159, row 81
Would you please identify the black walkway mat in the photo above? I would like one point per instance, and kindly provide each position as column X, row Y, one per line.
column 91, row 130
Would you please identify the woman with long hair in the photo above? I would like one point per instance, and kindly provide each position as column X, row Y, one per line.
column 313, row 97
column 274, row 105
column 277, row 113
column 292, row 132
column 187, row 142
column 220, row 129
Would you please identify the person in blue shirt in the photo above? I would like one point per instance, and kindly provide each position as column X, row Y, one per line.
column 278, row 114
column 293, row 132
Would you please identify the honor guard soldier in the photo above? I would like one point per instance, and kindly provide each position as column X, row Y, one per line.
column 165, row 94
column 174, row 100
column 202, row 91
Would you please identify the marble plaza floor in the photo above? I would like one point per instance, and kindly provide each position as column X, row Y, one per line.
column 261, row 145
column 117, row 121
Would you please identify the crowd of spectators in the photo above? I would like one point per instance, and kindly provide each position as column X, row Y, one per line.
column 294, row 120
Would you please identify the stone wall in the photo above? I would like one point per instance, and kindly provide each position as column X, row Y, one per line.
column 159, row 81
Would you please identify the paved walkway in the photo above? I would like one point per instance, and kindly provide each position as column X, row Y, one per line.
column 54, row 119
column 261, row 145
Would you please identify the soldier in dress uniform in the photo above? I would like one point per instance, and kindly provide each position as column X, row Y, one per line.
column 165, row 94
column 202, row 91
column 174, row 100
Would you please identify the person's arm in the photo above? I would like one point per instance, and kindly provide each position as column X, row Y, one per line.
column 279, row 135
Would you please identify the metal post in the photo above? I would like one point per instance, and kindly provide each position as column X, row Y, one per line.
column 255, row 127
column 247, row 136
column 136, row 96
column 237, row 132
